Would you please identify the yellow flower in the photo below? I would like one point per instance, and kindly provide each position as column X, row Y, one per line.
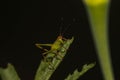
column 96, row 2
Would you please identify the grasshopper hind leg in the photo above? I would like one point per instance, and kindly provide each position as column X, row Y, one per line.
column 59, row 54
column 49, row 60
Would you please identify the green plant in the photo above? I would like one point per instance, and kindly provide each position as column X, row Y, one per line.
column 98, row 16
column 44, row 72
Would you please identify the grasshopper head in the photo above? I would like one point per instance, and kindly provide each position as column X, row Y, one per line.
column 59, row 37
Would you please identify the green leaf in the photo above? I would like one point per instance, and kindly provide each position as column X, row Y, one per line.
column 9, row 73
column 44, row 72
column 76, row 74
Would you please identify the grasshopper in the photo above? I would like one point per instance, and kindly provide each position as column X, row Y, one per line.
column 49, row 55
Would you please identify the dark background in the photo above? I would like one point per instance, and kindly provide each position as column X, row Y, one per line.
column 26, row 22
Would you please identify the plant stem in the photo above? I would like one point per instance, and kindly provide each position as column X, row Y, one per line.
column 98, row 15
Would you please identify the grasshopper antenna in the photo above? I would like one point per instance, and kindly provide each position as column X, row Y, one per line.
column 61, row 32
column 60, row 29
column 65, row 29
